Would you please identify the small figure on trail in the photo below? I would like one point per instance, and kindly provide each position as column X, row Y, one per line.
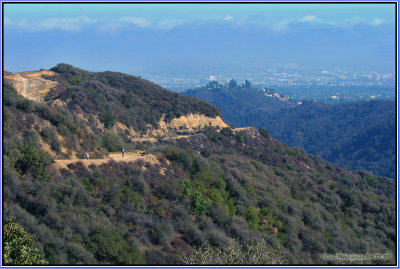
column 122, row 151
column 86, row 156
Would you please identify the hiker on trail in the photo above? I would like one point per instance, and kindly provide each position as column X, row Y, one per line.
column 122, row 151
column 86, row 156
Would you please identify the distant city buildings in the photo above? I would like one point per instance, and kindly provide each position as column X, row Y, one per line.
column 296, row 83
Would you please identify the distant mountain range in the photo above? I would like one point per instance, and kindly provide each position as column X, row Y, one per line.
column 360, row 135
column 187, row 188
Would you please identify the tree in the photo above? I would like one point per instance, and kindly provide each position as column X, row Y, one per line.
column 18, row 248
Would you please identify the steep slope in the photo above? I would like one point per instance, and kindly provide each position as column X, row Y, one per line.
column 354, row 135
column 171, row 194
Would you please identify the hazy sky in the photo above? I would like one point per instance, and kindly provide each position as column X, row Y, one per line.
column 145, row 38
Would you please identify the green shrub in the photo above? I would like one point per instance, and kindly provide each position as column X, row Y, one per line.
column 161, row 233
column 50, row 137
column 30, row 160
column 206, row 153
column 26, row 105
column 219, row 183
column 186, row 187
column 289, row 152
column 75, row 80
column 109, row 247
column 251, row 217
column 370, row 180
column 227, row 131
column 264, row 133
column 10, row 96
column 112, row 141
column 18, row 248
column 200, row 204
column 184, row 158
column 239, row 138
column 107, row 119
column 6, row 120
column 78, row 254
column 216, row 197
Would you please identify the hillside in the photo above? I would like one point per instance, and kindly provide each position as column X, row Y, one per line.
column 108, row 99
column 359, row 135
column 177, row 195
column 78, row 107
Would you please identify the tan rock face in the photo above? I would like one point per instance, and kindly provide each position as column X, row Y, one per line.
column 193, row 121
column 31, row 85
column 189, row 122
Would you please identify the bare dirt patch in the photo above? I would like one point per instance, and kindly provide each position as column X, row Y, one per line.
column 31, row 84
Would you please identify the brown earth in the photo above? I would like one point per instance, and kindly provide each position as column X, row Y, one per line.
column 31, row 84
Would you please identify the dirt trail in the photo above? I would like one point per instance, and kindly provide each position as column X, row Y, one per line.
column 153, row 139
column 24, row 89
column 242, row 129
column 116, row 156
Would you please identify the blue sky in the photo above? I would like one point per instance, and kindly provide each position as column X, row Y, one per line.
column 145, row 38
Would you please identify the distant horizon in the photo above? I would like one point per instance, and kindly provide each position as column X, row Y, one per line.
column 277, row 66
column 188, row 38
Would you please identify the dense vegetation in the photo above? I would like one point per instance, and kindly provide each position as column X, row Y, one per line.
column 65, row 134
column 132, row 100
column 255, row 190
column 218, row 188
column 357, row 136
